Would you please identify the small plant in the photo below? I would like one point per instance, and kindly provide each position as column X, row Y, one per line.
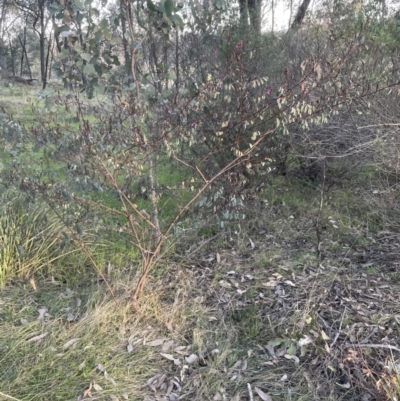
column 29, row 240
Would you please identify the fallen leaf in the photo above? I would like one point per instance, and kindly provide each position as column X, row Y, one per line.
column 181, row 350
column 262, row 395
column 70, row 343
column 270, row 349
column 167, row 346
column 253, row 245
column 109, row 378
column 87, row 392
column 157, row 381
column 224, row 284
column 100, row 367
column 129, row 348
column 280, row 352
column 43, row 313
column 240, row 365
column 171, row 358
column 191, row 359
column 324, row 335
column 293, row 358
column 283, row 378
column 70, row 317
column 288, row 282
column 156, row 343
column 217, row 397
column 304, row 341
column 97, row 387
column 36, row 338
column 218, row 257
column 125, row 396
column 33, row 284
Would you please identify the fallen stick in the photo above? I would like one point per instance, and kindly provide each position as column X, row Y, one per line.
column 392, row 347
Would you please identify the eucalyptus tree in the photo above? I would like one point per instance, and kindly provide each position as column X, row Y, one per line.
column 36, row 14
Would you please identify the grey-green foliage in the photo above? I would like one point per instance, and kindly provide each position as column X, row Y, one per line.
column 9, row 129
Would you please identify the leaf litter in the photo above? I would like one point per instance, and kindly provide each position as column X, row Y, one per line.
column 328, row 324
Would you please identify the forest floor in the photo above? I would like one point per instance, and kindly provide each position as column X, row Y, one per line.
column 268, row 308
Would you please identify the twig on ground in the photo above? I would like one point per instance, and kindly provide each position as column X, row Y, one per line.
column 203, row 243
column 340, row 327
column 386, row 346
column 8, row 397
column 250, row 392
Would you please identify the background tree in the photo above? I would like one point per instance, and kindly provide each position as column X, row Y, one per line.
column 36, row 14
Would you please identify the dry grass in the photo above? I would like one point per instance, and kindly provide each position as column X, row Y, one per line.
column 254, row 310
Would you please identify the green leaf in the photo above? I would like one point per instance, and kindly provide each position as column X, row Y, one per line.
column 169, row 7
column 79, row 4
column 177, row 20
column 107, row 34
column 275, row 342
column 161, row 7
column 89, row 69
column 65, row 53
column 115, row 41
column 98, row 35
column 292, row 349
column 219, row 4
column 151, row 6
column 86, row 56
column 98, row 69
column 78, row 229
column 103, row 23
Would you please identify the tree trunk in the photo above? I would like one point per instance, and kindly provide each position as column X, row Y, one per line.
column 250, row 14
column 12, row 57
column 23, row 45
column 127, row 61
column 301, row 13
column 255, row 15
column 272, row 16
column 42, row 40
column 2, row 31
column 244, row 13
column 47, row 60
column 22, row 52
